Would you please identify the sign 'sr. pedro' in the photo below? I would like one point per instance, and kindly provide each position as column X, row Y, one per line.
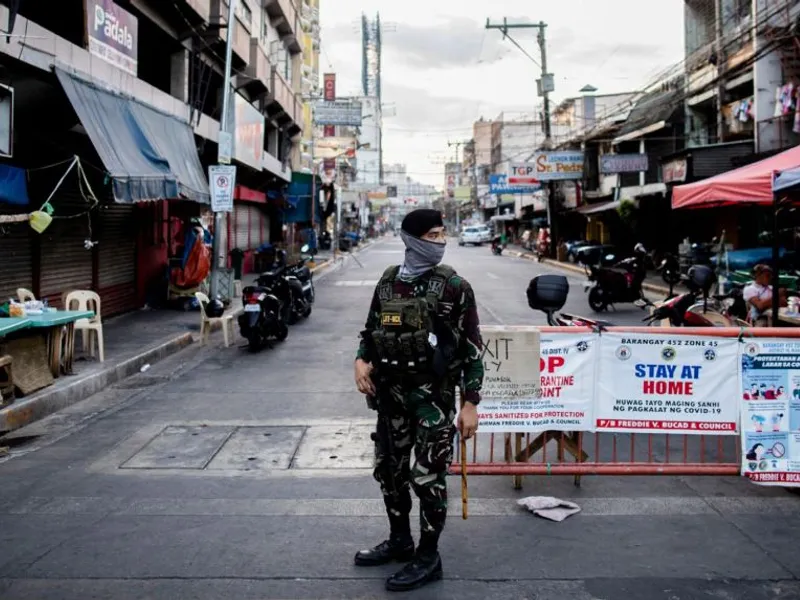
column 108, row 22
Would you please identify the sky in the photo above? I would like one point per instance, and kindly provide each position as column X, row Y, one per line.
column 443, row 70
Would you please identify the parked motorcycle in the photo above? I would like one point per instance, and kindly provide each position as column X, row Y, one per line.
column 325, row 240
column 670, row 270
column 621, row 282
column 264, row 315
column 697, row 308
column 497, row 246
column 301, row 285
column 548, row 294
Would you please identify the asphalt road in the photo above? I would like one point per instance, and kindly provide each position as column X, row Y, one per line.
column 223, row 474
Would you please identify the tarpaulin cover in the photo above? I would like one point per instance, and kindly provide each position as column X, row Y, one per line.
column 751, row 184
column 787, row 180
column 13, row 185
column 149, row 155
column 299, row 198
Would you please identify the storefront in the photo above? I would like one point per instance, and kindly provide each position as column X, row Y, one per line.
column 249, row 225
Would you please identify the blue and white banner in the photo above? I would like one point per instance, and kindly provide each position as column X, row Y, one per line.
column 498, row 184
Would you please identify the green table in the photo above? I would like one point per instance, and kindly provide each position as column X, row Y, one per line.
column 10, row 325
column 59, row 329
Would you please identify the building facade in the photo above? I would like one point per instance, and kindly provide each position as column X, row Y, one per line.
column 77, row 72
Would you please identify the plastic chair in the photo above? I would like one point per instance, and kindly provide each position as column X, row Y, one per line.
column 24, row 295
column 206, row 322
column 87, row 300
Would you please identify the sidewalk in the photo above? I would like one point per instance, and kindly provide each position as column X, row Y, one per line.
column 652, row 282
column 132, row 341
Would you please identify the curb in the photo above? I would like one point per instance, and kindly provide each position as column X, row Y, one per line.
column 651, row 287
column 49, row 400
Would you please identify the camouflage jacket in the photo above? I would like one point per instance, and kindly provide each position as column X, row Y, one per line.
column 457, row 307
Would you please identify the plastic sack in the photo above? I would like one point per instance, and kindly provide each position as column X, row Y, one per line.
column 40, row 220
column 198, row 266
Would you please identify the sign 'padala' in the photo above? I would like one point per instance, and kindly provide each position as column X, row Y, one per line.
column 110, row 26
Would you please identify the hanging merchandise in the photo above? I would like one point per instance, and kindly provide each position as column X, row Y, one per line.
column 40, row 220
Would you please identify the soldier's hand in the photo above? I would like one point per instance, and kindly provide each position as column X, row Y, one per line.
column 363, row 370
column 468, row 420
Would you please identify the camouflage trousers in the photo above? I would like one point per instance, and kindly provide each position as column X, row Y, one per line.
column 419, row 417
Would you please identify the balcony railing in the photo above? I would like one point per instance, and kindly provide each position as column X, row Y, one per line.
column 241, row 37
column 201, row 8
column 259, row 67
column 281, row 93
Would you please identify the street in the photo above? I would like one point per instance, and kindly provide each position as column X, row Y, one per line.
column 223, row 474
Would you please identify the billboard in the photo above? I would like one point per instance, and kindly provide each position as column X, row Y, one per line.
column 341, row 112
column 111, row 34
column 498, row 184
column 547, row 166
column 248, row 133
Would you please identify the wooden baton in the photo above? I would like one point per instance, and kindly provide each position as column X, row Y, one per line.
column 463, row 454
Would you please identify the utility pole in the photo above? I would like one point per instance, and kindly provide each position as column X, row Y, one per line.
column 458, row 182
column 545, row 85
column 474, row 166
column 721, row 63
column 224, row 146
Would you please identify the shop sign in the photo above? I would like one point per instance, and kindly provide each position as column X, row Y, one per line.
column 674, row 171
column 498, row 184
column 221, row 181
column 112, row 34
column 248, row 133
column 338, row 112
column 547, row 166
column 623, row 163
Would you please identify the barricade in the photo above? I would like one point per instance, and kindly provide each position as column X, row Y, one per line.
column 581, row 453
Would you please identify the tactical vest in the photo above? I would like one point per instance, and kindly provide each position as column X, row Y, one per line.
column 406, row 340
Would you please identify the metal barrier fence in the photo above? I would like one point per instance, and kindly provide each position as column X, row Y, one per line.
column 603, row 453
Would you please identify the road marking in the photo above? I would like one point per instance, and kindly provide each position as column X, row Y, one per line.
column 492, row 275
column 654, row 506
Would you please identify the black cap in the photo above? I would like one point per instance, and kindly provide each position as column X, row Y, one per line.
column 420, row 221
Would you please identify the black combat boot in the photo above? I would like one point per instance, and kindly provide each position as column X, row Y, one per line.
column 426, row 566
column 399, row 546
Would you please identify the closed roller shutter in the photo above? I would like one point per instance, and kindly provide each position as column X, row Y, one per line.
column 16, row 267
column 66, row 265
column 116, row 266
column 259, row 226
column 247, row 232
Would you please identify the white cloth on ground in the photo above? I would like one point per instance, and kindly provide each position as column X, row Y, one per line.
column 550, row 508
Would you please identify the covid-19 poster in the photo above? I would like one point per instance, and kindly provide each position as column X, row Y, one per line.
column 561, row 399
column 770, row 400
column 660, row 383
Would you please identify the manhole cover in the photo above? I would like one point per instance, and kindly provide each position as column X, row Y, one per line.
column 141, row 381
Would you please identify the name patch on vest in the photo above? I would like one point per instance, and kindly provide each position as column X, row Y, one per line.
column 391, row 319
column 385, row 292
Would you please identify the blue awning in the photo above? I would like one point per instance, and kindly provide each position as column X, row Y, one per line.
column 149, row 155
column 298, row 197
column 13, row 185
column 785, row 181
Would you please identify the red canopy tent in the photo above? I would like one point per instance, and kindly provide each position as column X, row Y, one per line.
column 751, row 184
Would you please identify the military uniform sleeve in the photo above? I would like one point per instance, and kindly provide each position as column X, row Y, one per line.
column 373, row 321
column 471, row 343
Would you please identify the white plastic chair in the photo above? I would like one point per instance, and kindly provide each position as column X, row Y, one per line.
column 24, row 295
column 206, row 322
column 87, row 300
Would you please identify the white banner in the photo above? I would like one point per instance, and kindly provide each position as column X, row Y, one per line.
column 518, row 398
column 770, row 393
column 662, row 383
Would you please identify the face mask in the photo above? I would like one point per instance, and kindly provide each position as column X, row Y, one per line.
column 421, row 255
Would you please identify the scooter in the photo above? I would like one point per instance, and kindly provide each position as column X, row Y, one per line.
column 264, row 315
column 620, row 283
column 670, row 270
column 497, row 246
column 693, row 309
column 301, row 285
column 548, row 294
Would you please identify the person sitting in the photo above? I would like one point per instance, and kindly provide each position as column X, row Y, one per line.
column 758, row 294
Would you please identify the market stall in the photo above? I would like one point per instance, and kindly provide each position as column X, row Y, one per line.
column 749, row 185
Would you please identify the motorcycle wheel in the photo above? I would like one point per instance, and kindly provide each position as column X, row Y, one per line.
column 307, row 313
column 596, row 301
column 282, row 332
column 254, row 342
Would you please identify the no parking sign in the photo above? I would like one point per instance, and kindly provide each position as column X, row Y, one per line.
column 222, row 179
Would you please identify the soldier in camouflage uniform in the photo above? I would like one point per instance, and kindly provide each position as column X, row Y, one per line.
column 422, row 338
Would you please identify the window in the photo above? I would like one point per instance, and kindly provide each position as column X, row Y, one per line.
column 245, row 14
